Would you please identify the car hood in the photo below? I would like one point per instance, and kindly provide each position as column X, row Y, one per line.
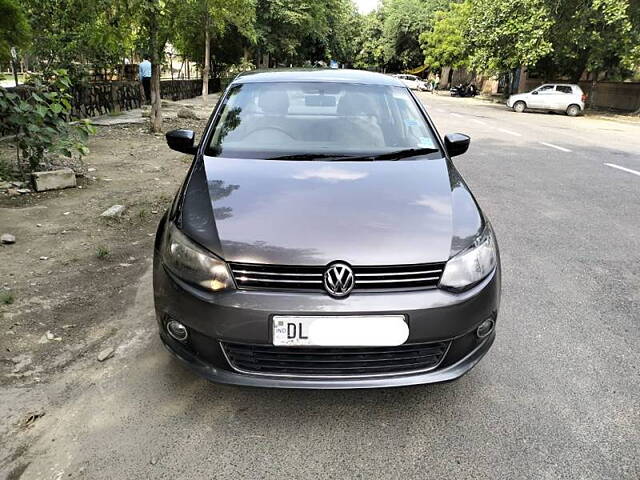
column 317, row 212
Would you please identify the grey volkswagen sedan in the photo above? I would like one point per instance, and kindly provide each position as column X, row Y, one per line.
column 323, row 238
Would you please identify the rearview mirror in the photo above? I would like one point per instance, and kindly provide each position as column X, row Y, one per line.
column 182, row 141
column 456, row 143
column 534, row 93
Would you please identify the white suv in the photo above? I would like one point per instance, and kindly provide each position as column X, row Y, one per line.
column 558, row 97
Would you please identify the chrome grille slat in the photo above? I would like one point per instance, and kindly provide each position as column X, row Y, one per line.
column 247, row 279
column 395, row 274
column 247, row 272
column 310, row 278
column 399, row 280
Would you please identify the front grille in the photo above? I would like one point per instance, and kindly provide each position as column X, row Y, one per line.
column 379, row 278
column 332, row 361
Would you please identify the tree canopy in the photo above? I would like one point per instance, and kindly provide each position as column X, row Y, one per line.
column 446, row 43
column 554, row 38
column 14, row 27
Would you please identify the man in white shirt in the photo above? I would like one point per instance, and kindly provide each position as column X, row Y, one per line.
column 144, row 72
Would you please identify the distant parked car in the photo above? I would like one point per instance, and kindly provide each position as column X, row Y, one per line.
column 413, row 82
column 559, row 97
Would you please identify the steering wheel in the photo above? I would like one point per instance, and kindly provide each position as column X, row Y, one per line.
column 277, row 129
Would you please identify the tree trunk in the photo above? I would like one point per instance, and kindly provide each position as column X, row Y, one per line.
column 155, row 120
column 156, row 104
column 593, row 92
column 205, row 70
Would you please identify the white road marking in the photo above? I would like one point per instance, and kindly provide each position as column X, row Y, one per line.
column 457, row 115
column 478, row 121
column 562, row 149
column 515, row 134
column 613, row 165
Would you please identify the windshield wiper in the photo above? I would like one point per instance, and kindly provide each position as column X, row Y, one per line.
column 311, row 156
column 408, row 152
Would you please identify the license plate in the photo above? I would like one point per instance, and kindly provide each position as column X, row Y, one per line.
column 340, row 331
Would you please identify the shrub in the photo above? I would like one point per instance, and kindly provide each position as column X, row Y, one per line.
column 6, row 298
column 102, row 252
column 41, row 123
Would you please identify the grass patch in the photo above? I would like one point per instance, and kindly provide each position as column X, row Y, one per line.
column 102, row 252
column 115, row 114
column 6, row 298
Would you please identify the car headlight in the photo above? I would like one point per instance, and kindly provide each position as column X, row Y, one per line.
column 472, row 265
column 192, row 263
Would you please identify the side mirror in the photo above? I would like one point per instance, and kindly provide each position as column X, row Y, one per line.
column 534, row 93
column 456, row 143
column 181, row 141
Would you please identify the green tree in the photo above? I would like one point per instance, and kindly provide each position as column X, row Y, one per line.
column 14, row 27
column 403, row 22
column 79, row 34
column 216, row 15
column 283, row 26
column 370, row 45
column 594, row 36
column 447, row 43
column 296, row 32
column 505, row 34
column 344, row 26
column 156, row 23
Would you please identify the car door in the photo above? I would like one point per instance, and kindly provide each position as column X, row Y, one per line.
column 563, row 97
column 541, row 97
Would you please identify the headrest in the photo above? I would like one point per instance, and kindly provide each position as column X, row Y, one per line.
column 356, row 104
column 274, row 102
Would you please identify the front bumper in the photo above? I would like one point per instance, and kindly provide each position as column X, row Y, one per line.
column 221, row 375
column 244, row 316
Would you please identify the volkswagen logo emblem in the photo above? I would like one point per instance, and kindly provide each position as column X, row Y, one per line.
column 339, row 280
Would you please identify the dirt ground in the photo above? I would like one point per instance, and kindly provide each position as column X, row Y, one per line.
column 72, row 271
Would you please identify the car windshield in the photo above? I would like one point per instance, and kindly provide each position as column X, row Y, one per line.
column 303, row 120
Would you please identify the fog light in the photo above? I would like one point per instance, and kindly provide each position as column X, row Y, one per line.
column 177, row 330
column 485, row 328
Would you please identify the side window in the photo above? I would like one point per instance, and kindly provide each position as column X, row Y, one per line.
column 564, row 89
column 545, row 89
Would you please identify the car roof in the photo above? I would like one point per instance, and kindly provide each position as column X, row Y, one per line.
column 330, row 75
column 561, row 84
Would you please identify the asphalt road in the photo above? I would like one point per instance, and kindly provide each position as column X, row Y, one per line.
column 558, row 396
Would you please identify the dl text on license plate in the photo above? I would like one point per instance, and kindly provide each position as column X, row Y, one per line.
column 345, row 331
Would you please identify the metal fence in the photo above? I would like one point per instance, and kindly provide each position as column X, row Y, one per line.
column 101, row 98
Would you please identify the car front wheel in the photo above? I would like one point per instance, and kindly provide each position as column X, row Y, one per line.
column 519, row 107
column 573, row 110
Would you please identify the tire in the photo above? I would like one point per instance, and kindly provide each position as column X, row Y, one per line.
column 573, row 110
column 519, row 106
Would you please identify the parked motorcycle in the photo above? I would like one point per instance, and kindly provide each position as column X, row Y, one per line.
column 461, row 90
